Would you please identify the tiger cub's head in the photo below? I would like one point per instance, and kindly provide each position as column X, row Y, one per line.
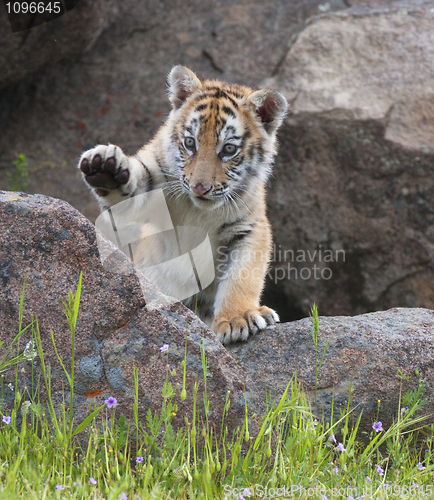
column 222, row 138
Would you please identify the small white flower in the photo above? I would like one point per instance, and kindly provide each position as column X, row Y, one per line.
column 29, row 351
column 25, row 407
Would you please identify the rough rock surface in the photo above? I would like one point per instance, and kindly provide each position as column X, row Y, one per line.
column 364, row 352
column 47, row 243
column 29, row 51
column 367, row 64
column 354, row 175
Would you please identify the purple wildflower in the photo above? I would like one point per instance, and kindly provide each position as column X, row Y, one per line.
column 6, row 420
column 247, row 492
column 323, row 497
column 111, row 402
column 350, row 497
column 164, row 348
column 336, row 470
column 240, row 497
column 380, row 470
column 123, row 496
column 332, row 437
column 377, row 426
column 415, row 485
column 60, row 487
column 368, row 479
column 341, row 447
column 420, row 466
column 139, row 460
column 92, row 480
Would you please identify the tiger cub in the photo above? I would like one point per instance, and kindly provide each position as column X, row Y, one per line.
column 212, row 158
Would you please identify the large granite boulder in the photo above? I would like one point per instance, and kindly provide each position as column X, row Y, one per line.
column 379, row 356
column 46, row 244
column 352, row 197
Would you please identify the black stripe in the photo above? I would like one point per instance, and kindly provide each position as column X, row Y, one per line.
column 158, row 160
column 229, row 111
column 201, row 107
column 201, row 97
column 246, row 135
column 151, row 180
column 219, row 94
column 223, row 122
column 238, row 160
column 232, row 129
column 250, row 171
column 237, row 238
column 229, row 224
column 234, row 104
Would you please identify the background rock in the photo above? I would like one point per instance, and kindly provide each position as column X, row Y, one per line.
column 47, row 243
column 364, row 353
column 30, row 51
column 354, row 175
column 354, row 169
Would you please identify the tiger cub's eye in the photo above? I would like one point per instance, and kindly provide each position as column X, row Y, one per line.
column 229, row 149
column 190, row 143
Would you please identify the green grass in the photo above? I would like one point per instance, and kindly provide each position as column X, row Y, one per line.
column 45, row 454
column 18, row 179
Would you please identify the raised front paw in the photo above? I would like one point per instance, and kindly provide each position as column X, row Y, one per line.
column 105, row 169
column 233, row 327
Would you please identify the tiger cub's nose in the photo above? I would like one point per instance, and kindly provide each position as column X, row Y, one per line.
column 200, row 190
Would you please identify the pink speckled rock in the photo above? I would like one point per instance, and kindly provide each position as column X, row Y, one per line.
column 46, row 243
column 364, row 353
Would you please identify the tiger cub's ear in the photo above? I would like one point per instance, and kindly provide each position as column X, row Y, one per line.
column 182, row 83
column 271, row 108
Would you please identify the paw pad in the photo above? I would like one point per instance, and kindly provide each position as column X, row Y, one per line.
column 103, row 175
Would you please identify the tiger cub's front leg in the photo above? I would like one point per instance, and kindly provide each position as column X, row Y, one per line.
column 111, row 176
column 238, row 313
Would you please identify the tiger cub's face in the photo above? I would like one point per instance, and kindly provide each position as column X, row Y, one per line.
column 222, row 137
